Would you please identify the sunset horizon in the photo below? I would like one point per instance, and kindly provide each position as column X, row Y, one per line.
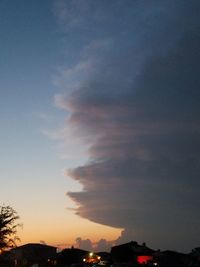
column 100, row 121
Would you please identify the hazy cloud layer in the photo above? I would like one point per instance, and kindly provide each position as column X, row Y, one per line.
column 138, row 109
column 86, row 244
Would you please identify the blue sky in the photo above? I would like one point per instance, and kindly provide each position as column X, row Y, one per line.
column 100, row 113
column 33, row 52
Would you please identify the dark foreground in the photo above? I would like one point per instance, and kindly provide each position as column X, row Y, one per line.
column 126, row 255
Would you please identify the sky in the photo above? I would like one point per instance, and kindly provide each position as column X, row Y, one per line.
column 100, row 130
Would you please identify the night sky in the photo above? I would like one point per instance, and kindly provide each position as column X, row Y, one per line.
column 107, row 92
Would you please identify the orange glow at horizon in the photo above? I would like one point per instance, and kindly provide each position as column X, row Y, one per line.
column 63, row 232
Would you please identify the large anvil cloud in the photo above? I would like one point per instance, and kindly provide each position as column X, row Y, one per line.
column 139, row 111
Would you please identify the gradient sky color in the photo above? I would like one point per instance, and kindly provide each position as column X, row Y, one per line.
column 32, row 166
column 100, row 120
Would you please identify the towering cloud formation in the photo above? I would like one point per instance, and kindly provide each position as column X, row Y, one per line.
column 136, row 105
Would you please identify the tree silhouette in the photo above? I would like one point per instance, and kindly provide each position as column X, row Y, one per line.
column 8, row 227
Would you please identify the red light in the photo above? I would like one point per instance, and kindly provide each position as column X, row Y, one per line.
column 144, row 259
